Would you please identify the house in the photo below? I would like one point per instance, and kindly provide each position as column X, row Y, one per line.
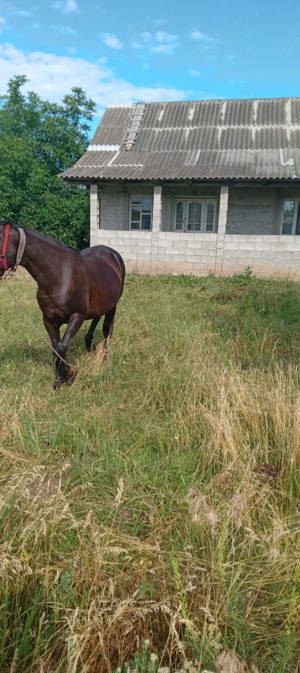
column 198, row 186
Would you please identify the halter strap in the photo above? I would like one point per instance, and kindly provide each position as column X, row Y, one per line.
column 3, row 259
column 20, row 250
column 21, row 247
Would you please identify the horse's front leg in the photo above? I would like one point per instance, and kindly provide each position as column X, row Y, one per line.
column 65, row 373
column 52, row 328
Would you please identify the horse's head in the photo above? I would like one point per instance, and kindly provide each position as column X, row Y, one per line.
column 9, row 237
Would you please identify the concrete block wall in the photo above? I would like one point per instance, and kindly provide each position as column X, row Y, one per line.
column 165, row 252
column 275, row 256
column 198, row 254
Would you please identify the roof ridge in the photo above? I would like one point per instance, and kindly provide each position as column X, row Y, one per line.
column 221, row 100
column 223, row 126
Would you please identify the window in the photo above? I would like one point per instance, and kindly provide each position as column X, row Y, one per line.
column 290, row 223
column 195, row 215
column 141, row 212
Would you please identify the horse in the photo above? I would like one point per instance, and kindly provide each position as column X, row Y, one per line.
column 73, row 286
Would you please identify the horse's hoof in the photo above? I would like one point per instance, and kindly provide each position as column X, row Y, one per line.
column 57, row 384
column 70, row 378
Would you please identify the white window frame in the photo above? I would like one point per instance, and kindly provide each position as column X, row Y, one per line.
column 295, row 216
column 186, row 200
column 140, row 197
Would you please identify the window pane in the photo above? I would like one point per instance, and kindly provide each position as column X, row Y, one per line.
column 297, row 232
column 147, row 204
column 135, row 213
column 179, row 215
column 194, row 216
column 287, row 217
column 146, row 221
column 210, row 217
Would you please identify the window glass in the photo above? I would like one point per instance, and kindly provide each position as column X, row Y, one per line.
column 194, row 216
column 287, row 217
column 297, row 231
column 146, row 221
column 147, row 204
column 141, row 213
column 210, row 217
column 179, row 216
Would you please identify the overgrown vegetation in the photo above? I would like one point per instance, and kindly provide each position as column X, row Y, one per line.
column 158, row 497
column 38, row 140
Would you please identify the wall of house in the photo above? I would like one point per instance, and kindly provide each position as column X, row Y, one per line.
column 167, row 252
column 170, row 252
column 274, row 256
column 114, row 204
column 257, row 209
column 251, row 211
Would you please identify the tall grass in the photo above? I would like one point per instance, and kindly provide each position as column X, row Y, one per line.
column 158, row 497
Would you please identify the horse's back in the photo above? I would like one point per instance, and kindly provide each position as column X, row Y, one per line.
column 97, row 251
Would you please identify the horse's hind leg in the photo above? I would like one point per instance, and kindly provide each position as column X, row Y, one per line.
column 88, row 339
column 108, row 326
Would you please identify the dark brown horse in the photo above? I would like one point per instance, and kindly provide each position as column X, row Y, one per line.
column 72, row 286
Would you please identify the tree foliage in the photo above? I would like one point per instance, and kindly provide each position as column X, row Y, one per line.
column 38, row 140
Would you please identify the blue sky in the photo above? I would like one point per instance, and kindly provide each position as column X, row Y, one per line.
column 120, row 52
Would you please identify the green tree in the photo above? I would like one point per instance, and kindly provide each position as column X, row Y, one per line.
column 38, row 140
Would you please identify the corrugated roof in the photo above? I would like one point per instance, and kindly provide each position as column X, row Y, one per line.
column 250, row 139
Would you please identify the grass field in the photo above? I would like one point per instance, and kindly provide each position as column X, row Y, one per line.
column 158, row 497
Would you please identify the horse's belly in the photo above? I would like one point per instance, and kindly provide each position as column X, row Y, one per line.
column 60, row 311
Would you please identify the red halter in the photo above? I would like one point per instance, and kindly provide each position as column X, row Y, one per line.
column 3, row 259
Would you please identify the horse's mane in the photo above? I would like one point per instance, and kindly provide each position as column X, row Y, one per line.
column 38, row 234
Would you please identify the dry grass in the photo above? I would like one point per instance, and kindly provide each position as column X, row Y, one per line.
column 158, row 497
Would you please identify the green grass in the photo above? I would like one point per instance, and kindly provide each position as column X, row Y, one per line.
column 157, row 497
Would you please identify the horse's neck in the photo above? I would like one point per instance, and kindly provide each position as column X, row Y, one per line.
column 39, row 258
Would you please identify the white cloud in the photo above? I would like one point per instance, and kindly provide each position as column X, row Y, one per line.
column 143, row 40
column 160, row 42
column 112, row 41
column 166, row 43
column 53, row 76
column 66, row 6
column 203, row 37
